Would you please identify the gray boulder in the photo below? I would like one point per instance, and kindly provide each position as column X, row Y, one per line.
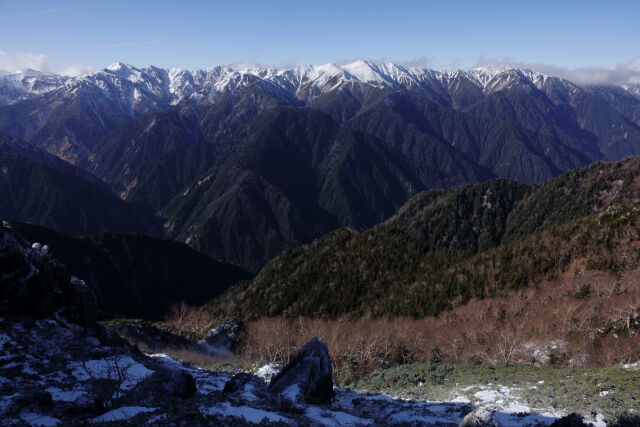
column 308, row 376
column 478, row 418
column 166, row 382
column 33, row 283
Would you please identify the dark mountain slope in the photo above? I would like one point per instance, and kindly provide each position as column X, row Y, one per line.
column 388, row 274
column 297, row 177
column 152, row 158
column 135, row 275
column 33, row 192
column 238, row 167
column 68, row 122
column 398, row 122
column 29, row 152
column 443, row 248
column 157, row 181
column 575, row 194
column 141, row 140
column 515, row 133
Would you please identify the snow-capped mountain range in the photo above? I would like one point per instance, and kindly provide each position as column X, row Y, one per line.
column 143, row 89
column 216, row 149
column 18, row 86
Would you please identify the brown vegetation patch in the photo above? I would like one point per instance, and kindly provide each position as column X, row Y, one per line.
column 589, row 320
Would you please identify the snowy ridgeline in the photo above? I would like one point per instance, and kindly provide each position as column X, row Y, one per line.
column 154, row 87
column 57, row 373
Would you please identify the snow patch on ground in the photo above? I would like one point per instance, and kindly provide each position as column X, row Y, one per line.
column 410, row 417
column 120, row 414
column 59, row 395
column 123, row 369
column 247, row 393
column 335, row 418
column 167, row 360
column 631, row 365
column 267, row 371
column 292, row 393
column 39, row 420
column 251, row 415
column 599, row 421
column 501, row 398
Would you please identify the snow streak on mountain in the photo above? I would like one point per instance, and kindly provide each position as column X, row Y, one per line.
column 142, row 89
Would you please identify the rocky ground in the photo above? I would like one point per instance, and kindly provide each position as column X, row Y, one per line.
column 54, row 372
column 58, row 366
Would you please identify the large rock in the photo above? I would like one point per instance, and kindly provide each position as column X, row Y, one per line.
column 33, row 283
column 479, row 418
column 223, row 339
column 166, row 382
column 308, row 376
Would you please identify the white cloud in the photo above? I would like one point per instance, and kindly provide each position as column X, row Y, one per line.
column 418, row 62
column 21, row 62
column 237, row 66
column 620, row 74
column 74, row 70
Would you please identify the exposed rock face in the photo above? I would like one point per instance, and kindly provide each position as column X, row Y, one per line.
column 34, row 283
column 166, row 382
column 308, row 375
column 223, row 339
column 149, row 338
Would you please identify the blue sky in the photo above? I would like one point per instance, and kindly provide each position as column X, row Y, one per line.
column 195, row 34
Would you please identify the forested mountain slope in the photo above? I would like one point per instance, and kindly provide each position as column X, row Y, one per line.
column 444, row 248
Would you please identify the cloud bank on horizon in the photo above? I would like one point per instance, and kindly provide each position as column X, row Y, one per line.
column 20, row 62
column 627, row 73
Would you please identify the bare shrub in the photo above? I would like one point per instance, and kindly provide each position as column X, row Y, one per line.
column 185, row 318
column 108, row 379
column 545, row 325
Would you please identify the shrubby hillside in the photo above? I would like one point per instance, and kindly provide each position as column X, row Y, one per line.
column 443, row 249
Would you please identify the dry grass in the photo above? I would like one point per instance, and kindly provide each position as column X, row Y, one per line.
column 582, row 320
column 559, row 324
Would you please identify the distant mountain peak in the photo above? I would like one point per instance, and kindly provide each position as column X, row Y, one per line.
column 172, row 85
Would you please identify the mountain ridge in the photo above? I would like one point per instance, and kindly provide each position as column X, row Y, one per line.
column 177, row 83
column 310, row 149
column 444, row 248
